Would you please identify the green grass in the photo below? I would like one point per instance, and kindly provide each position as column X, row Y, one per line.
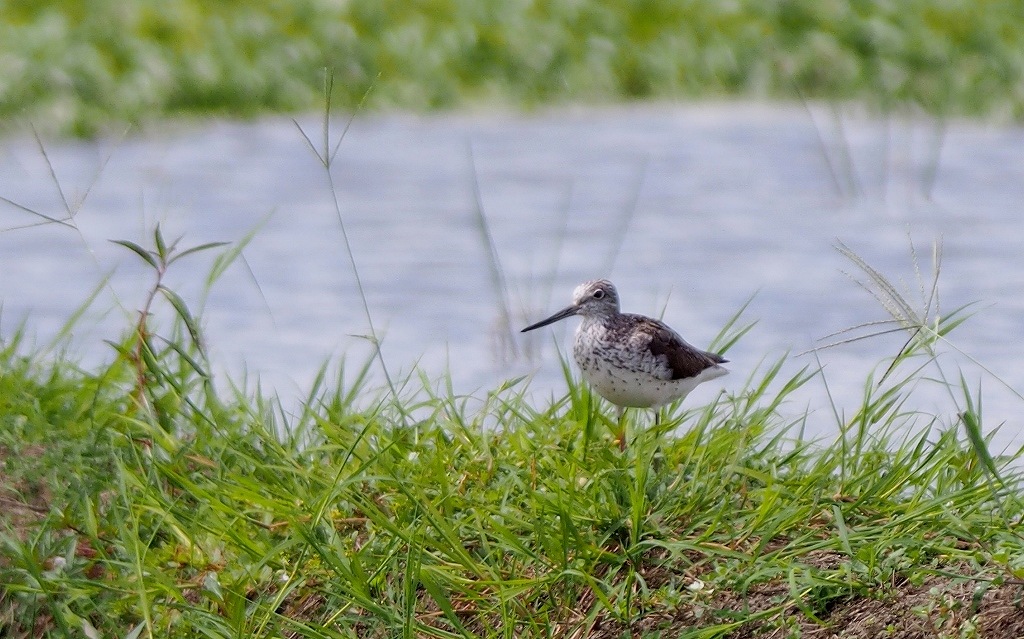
column 82, row 65
column 141, row 500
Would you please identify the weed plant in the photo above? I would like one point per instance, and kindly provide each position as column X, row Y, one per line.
column 78, row 64
column 141, row 501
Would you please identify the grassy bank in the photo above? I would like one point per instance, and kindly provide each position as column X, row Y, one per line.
column 79, row 65
column 139, row 500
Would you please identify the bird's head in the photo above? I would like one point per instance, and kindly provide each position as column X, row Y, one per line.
column 595, row 298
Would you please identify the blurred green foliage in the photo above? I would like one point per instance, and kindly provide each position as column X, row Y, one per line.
column 75, row 64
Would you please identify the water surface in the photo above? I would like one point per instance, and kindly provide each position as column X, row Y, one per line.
column 690, row 209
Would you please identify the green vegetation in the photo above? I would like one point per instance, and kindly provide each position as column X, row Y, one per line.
column 80, row 64
column 140, row 500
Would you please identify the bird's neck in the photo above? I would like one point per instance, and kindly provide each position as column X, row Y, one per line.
column 592, row 323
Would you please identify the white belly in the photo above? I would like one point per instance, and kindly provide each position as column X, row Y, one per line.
column 629, row 374
column 638, row 389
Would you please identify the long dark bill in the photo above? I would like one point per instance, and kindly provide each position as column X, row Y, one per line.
column 562, row 314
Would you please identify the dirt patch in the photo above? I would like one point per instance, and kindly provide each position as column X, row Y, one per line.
column 1003, row 612
column 940, row 606
column 23, row 502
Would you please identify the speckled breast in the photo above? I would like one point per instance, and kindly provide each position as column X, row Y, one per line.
column 622, row 373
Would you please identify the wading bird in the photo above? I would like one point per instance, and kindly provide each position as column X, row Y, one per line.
column 631, row 360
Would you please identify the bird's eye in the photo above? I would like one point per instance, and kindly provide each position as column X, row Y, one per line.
column 598, row 294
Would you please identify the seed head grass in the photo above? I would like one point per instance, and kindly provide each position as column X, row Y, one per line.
column 142, row 500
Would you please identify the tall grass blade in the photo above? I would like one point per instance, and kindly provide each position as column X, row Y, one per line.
column 626, row 216
column 75, row 317
column 971, row 419
column 497, row 274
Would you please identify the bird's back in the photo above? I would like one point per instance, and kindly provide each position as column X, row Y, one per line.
column 649, row 345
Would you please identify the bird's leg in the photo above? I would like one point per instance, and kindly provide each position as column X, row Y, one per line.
column 656, row 458
column 620, row 437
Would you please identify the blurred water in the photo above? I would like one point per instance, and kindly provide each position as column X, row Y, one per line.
column 690, row 209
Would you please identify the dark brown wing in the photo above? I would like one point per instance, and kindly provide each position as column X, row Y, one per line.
column 683, row 360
